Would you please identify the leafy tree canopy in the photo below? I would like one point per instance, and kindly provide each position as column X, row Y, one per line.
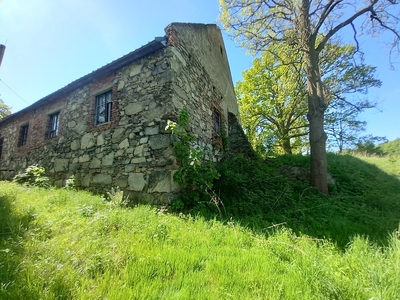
column 307, row 26
column 273, row 98
column 5, row 110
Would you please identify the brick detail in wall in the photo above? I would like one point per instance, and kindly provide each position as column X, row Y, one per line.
column 172, row 38
column 38, row 121
column 115, row 114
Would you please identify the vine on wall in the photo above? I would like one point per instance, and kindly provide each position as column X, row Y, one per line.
column 195, row 174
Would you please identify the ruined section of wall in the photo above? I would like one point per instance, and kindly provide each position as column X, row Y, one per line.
column 133, row 151
column 239, row 142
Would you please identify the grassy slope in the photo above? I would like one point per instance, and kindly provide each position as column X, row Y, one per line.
column 61, row 244
column 364, row 201
column 391, row 148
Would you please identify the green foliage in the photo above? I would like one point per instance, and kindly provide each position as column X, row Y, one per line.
column 366, row 146
column 33, row 175
column 363, row 200
column 308, row 27
column 70, row 183
column 391, row 148
column 49, row 249
column 5, row 110
column 273, row 101
column 195, row 174
column 116, row 198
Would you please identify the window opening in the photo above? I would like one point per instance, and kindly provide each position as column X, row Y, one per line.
column 217, row 121
column 23, row 135
column 103, row 108
column 52, row 130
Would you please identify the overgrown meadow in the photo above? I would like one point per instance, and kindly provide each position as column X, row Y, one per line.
column 278, row 239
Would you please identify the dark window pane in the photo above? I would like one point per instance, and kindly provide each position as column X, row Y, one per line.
column 23, row 135
column 103, row 108
column 53, row 125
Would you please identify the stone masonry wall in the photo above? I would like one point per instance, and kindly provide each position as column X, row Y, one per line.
column 134, row 150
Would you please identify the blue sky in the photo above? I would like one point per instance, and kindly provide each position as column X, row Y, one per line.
column 50, row 43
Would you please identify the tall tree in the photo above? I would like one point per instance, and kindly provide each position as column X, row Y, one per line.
column 272, row 99
column 312, row 24
column 5, row 110
column 346, row 81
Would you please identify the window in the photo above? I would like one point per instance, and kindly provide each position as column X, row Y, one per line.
column 217, row 121
column 1, row 146
column 23, row 135
column 103, row 108
column 52, row 130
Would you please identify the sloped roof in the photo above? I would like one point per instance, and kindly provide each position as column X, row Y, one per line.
column 151, row 47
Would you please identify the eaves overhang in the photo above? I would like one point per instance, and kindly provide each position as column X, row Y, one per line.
column 151, row 47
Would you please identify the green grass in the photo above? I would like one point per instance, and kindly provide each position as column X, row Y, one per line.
column 391, row 148
column 60, row 244
column 364, row 201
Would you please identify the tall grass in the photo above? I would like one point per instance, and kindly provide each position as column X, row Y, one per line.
column 364, row 199
column 59, row 244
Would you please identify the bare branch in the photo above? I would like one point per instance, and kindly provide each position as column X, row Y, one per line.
column 350, row 20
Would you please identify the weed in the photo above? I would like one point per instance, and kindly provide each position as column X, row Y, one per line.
column 195, row 174
column 33, row 175
column 116, row 198
column 70, row 183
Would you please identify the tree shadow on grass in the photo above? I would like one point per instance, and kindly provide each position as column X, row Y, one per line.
column 12, row 229
column 364, row 200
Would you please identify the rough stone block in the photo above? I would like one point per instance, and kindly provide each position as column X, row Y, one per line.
column 136, row 182
column 135, row 69
column 122, row 182
column 159, row 141
column 60, row 164
column 151, row 130
column 102, row 179
column 108, row 159
column 84, row 158
column 87, row 141
column 138, row 160
column 100, row 140
column 118, row 134
column 124, row 144
column 75, row 145
column 160, row 181
column 135, row 108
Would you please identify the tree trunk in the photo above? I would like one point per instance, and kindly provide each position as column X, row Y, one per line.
column 317, row 103
column 319, row 165
column 286, row 146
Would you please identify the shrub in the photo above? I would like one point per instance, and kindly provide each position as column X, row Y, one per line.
column 195, row 174
column 33, row 175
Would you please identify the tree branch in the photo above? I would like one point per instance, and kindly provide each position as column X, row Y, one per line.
column 334, row 30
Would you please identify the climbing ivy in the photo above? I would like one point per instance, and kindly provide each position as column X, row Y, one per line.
column 196, row 173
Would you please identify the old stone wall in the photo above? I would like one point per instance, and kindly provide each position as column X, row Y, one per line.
column 134, row 150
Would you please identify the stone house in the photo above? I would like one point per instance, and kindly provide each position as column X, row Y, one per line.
column 108, row 128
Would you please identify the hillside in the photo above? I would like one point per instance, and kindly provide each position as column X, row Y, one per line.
column 391, row 148
column 364, row 200
column 279, row 239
